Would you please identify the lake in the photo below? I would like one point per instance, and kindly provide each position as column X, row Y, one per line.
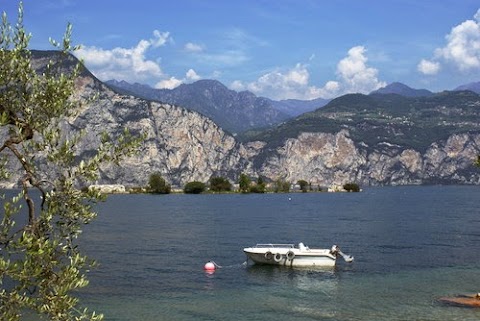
column 412, row 245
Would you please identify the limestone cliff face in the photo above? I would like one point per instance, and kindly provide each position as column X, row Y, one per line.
column 317, row 158
column 185, row 146
column 182, row 145
column 333, row 159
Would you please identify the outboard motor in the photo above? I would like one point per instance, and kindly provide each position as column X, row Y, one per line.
column 335, row 250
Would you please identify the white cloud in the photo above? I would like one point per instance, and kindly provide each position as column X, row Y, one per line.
column 463, row 46
column 428, row 67
column 173, row 82
column 237, row 85
column 128, row 64
column 352, row 72
column 170, row 83
column 332, row 86
column 292, row 83
column 192, row 75
column 193, row 47
column 355, row 75
column 462, row 49
column 160, row 38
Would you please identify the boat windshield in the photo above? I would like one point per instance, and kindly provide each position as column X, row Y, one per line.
column 275, row 245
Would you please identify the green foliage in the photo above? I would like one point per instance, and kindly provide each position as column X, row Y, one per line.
column 194, row 188
column 247, row 186
column 244, row 183
column 41, row 265
column 303, row 185
column 220, row 184
column 259, row 187
column 158, row 185
column 281, row 186
column 351, row 187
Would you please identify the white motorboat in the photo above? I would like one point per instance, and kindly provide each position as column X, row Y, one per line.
column 290, row 255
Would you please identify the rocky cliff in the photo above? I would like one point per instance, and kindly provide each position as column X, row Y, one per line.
column 332, row 159
column 184, row 146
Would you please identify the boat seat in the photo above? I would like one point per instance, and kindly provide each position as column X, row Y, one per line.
column 302, row 247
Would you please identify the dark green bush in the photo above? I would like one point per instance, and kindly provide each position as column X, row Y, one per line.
column 158, row 185
column 303, row 185
column 220, row 184
column 244, row 183
column 281, row 186
column 351, row 187
column 194, row 188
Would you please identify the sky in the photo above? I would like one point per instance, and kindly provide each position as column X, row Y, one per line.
column 280, row 49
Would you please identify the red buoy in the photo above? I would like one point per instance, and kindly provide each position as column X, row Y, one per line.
column 209, row 266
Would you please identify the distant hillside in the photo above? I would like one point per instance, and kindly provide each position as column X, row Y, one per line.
column 373, row 119
column 231, row 110
column 474, row 86
column 296, row 107
column 402, row 90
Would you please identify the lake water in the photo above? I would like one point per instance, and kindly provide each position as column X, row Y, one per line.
column 412, row 245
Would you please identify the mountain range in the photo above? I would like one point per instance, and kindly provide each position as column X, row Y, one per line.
column 237, row 112
column 233, row 111
column 474, row 86
column 402, row 90
column 376, row 139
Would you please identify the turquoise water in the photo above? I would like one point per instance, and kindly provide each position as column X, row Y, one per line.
column 412, row 245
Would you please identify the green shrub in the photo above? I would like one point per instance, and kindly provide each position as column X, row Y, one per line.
column 244, row 183
column 220, row 184
column 351, row 187
column 281, row 186
column 194, row 188
column 303, row 185
column 158, row 185
column 259, row 187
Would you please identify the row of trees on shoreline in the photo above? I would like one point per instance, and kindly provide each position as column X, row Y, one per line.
column 217, row 184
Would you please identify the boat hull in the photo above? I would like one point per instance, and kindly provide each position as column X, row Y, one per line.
column 291, row 257
column 472, row 301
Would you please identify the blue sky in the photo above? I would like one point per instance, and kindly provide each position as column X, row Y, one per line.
column 280, row 49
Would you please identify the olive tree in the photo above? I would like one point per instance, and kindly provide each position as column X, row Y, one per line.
column 41, row 264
